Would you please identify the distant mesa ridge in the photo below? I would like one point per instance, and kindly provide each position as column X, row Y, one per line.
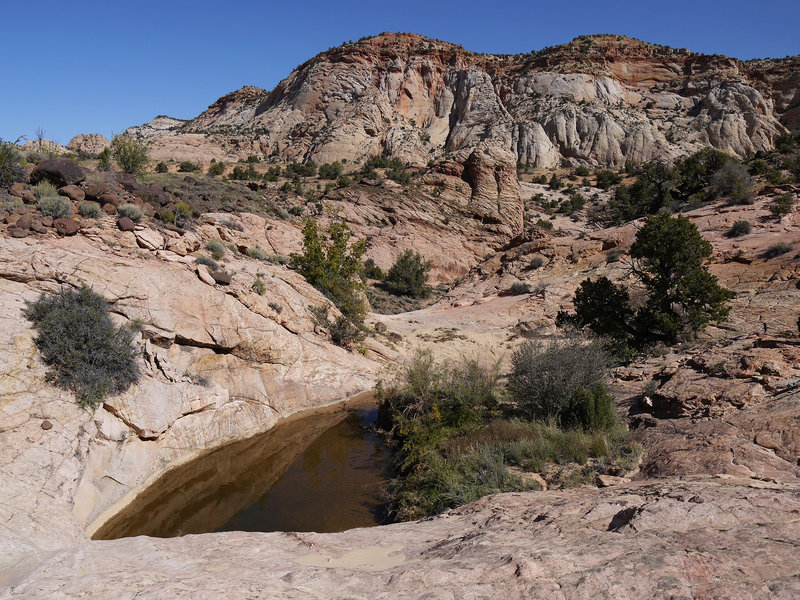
column 598, row 100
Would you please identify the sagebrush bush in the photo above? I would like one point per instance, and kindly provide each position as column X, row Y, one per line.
column 207, row 262
column 50, row 203
column 216, row 248
column 133, row 212
column 256, row 252
column 90, row 210
column 85, row 351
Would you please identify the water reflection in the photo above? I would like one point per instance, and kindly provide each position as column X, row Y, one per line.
column 332, row 486
column 322, row 472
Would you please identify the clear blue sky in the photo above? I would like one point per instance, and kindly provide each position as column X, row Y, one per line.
column 87, row 66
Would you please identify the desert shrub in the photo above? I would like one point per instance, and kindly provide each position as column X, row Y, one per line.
column 259, row 287
column 90, row 210
column 408, row 276
column 606, row 178
column 739, row 228
column 778, row 249
column 167, row 216
column 104, row 159
column 401, row 176
column 296, row 169
column 216, row 248
column 50, row 203
column 188, row 166
column 536, row 262
column 344, row 181
column 256, row 252
column 162, row 168
column 518, row 288
column 782, row 205
column 133, row 212
column 544, row 224
column 130, row 153
column 372, row 271
column 10, row 168
column 207, row 262
column 549, row 380
column 613, row 255
column 44, row 189
column 85, row 351
column 276, row 307
column 733, row 180
column 555, row 182
column 182, row 210
column 581, row 171
column 330, row 170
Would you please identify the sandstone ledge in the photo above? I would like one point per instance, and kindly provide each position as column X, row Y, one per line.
column 699, row 538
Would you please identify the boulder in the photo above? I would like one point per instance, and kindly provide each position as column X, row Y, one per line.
column 125, row 224
column 24, row 221
column 16, row 189
column 221, row 277
column 66, row 226
column 58, row 171
column 28, row 197
column 17, row 232
column 73, row 192
column 108, row 198
column 109, row 209
column 96, row 189
column 204, row 276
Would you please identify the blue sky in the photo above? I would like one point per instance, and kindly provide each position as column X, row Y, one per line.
column 83, row 67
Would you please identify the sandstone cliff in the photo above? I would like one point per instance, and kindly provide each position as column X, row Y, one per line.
column 599, row 99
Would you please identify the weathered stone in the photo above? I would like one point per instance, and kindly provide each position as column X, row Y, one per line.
column 17, row 232
column 58, row 171
column 125, row 224
column 73, row 192
column 221, row 277
column 46, row 425
column 91, row 143
column 66, row 226
column 96, row 189
column 149, row 239
column 24, row 221
column 109, row 209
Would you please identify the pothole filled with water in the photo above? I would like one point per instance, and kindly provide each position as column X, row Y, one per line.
column 321, row 472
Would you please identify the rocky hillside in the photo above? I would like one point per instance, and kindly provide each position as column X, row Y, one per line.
column 601, row 99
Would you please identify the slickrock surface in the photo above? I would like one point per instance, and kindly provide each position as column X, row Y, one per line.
column 700, row 538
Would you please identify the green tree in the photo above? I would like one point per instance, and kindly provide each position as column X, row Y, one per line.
column 682, row 296
column 408, row 276
column 130, row 154
column 331, row 264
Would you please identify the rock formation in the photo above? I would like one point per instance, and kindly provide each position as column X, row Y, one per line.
column 599, row 99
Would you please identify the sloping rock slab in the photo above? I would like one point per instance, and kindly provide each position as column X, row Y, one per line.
column 707, row 538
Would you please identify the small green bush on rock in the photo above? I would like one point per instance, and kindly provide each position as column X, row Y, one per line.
column 50, row 203
column 85, row 351
column 89, row 210
column 133, row 212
